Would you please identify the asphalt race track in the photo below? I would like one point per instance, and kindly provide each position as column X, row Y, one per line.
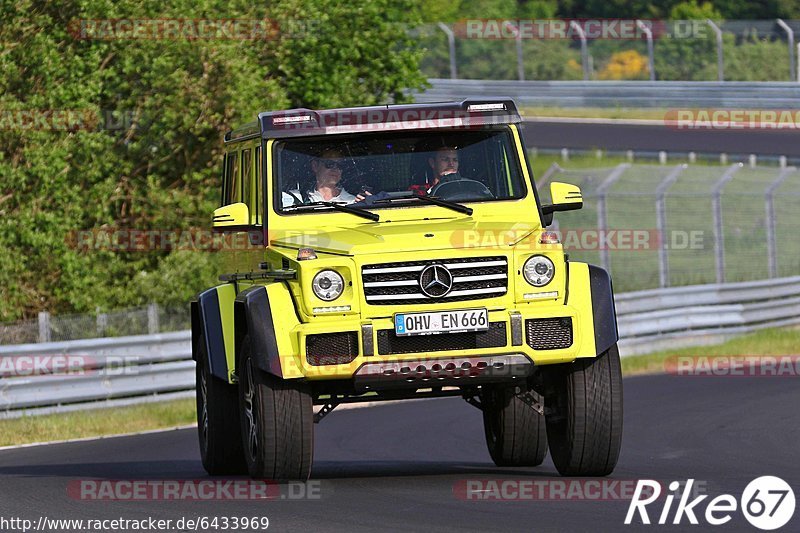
column 394, row 467
column 650, row 136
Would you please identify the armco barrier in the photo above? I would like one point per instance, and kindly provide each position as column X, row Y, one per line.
column 662, row 94
column 126, row 370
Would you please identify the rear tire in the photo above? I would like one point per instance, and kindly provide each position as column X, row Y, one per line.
column 584, row 415
column 218, row 428
column 277, row 422
column 515, row 432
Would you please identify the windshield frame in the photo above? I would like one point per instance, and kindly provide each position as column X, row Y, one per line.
column 510, row 144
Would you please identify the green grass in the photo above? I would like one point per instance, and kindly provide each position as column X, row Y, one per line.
column 97, row 422
column 775, row 341
column 594, row 112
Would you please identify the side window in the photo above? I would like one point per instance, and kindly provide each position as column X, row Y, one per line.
column 247, row 174
column 257, row 201
column 224, row 187
column 232, row 180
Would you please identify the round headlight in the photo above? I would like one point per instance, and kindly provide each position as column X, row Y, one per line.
column 538, row 270
column 328, row 285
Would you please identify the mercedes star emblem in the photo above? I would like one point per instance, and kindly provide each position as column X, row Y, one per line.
column 435, row 281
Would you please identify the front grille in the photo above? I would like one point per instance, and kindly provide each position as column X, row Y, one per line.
column 494, row 337
column 331, row 348
column 398, row 283
column 549, row 333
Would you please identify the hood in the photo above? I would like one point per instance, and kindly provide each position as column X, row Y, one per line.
column 406, row 236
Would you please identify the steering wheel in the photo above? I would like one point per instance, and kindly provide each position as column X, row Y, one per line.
column 463, row 189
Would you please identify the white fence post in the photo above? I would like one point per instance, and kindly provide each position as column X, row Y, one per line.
column 602, row 215
column 44, row 326
column 451, row 44
column 716, row 204
column 661, row 222
column 152, row 319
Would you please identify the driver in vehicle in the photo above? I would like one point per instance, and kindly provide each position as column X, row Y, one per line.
column 444, row 165
column 327, row 170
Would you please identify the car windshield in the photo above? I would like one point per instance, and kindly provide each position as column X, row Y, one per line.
column 371, row 170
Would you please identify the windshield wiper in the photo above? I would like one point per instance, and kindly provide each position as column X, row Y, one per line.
column 363, row 213
column 433, row 200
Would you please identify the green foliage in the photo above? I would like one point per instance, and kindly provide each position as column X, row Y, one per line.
column 691, row 10
column 154, row 162
column 756, row 59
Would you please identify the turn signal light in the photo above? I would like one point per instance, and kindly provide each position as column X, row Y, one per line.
column 306, row 254
column 549, row 237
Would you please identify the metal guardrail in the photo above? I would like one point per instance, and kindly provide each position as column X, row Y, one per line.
column 662, row 94
column 127, row 370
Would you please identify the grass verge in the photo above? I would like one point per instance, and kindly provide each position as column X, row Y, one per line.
column 775, row 341
column 96, row 422
column 594, row 112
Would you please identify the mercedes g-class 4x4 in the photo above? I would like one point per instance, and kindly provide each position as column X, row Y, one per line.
column 398, row 252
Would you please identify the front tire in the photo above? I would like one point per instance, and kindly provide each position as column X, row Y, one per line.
column 515, row 432
column 218, row 428
column 277, row 422
column 584, row 415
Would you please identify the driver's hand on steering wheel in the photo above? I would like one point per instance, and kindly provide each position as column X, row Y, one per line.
column 360, row 197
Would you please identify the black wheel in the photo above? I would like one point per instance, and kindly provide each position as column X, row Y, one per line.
column 217, row 422
column 515, row 432
column 584, row 415
column 277, row 423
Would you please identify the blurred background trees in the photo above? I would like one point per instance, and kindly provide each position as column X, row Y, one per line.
column 151, row 157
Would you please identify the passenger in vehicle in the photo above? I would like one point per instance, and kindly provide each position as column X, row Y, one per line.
column 327, row 170
column 443, row 167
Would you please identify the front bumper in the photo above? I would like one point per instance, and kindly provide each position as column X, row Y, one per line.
column 369, row 352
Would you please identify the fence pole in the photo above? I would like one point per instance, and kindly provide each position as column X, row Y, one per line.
column 720, row 54
column 451, row 44
column 102, row 322
column 661, row 223
column 602, row 215
column 769, row 195
column 152, row 319
column 584, row 48
column 518, row 39
column 790, row 38
column 548, row 175
column 716, row 204
column 650, row 54
column 44, row 326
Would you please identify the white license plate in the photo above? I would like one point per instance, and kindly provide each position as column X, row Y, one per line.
column 441, row 322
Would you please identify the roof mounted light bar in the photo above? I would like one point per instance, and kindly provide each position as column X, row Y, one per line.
column 500, row 106
column 301, row 122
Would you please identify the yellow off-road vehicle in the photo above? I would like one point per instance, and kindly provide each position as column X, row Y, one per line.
column 399, row 252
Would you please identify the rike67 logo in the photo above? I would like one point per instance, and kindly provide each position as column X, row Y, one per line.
column 767, row 503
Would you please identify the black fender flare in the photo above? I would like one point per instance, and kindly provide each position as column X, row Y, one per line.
column 207, row 323
column 604, row 313
column 253, row 316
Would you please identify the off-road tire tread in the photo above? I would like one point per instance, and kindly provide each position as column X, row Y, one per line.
column 225, row 453
column 522, row 440
column 587, row 442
